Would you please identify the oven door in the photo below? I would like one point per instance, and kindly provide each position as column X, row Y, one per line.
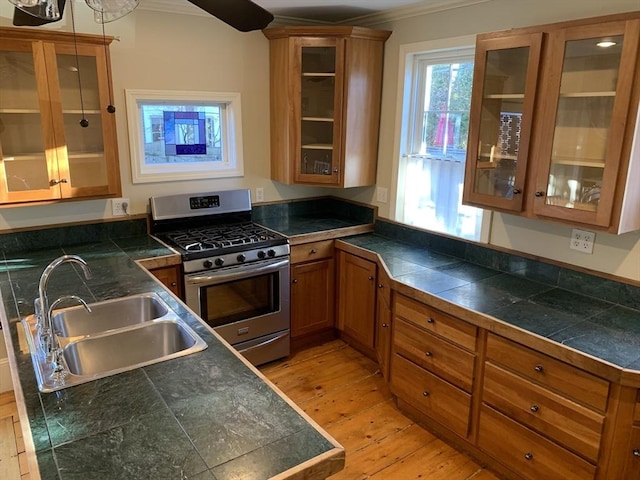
column 245, row 304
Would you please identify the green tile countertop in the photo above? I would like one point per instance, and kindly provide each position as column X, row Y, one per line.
column 204, row 416
column 597, row 317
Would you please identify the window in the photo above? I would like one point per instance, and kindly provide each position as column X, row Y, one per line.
column 434, row 143
column 184, row 135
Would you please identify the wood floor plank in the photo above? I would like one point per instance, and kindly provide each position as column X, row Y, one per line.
column 9, row 463
column 303, row 356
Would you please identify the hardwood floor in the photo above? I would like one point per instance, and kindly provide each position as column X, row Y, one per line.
column 344, row 392
column 341, row 390
column 13, row 465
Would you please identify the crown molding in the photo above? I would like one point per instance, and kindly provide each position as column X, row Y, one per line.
column 395, row 14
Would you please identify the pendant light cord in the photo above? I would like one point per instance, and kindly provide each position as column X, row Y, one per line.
column 110, row 107
column 84, row 122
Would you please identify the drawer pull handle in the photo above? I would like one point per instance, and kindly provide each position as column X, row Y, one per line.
column 313, row 251
column 428, row 354
column 431, row 320
column 539, row 368
column 528, row 456
column 636, row 452
column 385, row 325
column 425, row 394
column 534, row 408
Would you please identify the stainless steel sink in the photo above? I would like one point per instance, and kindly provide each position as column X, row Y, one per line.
column 129, row 348
column 108, row 315
column 118, row 335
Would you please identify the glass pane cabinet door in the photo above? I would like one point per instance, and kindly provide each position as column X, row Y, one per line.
column 504, row 91
column 23, row 150
column 319, row 114
column 590, row 105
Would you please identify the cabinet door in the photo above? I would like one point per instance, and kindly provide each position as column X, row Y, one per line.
column 318, row 115
column 587, row 92
column 27, row 144
column 505, row 79
column 170, row 277
column 312, row 305
column 86, row 167
column 357, row 298
column 383, row 333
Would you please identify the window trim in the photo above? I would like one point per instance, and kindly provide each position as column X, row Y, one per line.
column 232, row 164
column 406, row 100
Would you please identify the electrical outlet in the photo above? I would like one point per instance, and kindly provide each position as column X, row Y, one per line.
column 382, row 195
column 582, row 240
column 120, row 207
column 259, row 194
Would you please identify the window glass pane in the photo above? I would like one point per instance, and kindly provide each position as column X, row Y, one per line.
column 433, row 165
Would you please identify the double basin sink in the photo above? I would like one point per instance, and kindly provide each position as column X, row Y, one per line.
column 116, row 336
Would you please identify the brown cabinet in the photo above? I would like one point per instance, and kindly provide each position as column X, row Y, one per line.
column 171, row 277
column 312, row 288
column 554, row 410
column 632, row 455
column 551, row 133
column 384, row 322
column 40, row 78
column 433, row 362
column 325, row 104
column 357, row 299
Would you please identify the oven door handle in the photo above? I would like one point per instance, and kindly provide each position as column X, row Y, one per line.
column 220, row 277
column 265, row 343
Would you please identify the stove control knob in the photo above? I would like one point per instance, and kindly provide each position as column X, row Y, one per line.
column 261, row 254
column 219, row 262
column 241, row 258
column 271, row 252
column 207, row 264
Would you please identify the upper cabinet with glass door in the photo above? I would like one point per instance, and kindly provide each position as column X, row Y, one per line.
column 584, row 157
column 325, row 104
column 46, row 91
column 569, row 155
column 504, row 90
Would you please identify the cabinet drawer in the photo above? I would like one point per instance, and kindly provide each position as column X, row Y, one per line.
column 311, row 251
column 632, row 466
column 524, row 451
column 553, row 415
column 436, row 398
column 554, row 374
column 433, row 353
column 457, row 331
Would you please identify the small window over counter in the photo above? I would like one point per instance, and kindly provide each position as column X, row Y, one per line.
column 184, row 135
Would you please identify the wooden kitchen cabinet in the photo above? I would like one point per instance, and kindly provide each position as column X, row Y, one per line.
column 632, row 454
column 357, row 300
column 559, row 148
column 325, row 90
column 171, row 277
column 46, row 154
column 384, row 322
column 433, row 363
column 312, row 289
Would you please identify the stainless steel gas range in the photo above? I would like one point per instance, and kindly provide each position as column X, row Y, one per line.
column 236, row 273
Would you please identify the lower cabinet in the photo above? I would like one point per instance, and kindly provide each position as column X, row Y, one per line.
column 357, row 299
column 384, row 322
column 632, row 455
column 432, row 363
column 312, row 289
column 171, row 277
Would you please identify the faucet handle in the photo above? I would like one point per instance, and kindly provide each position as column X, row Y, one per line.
column 58, row 371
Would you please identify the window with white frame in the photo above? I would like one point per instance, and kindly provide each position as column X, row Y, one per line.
column 435, row 127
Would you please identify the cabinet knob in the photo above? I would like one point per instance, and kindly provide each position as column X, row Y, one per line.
column 534, row 408
column 539, row 194
column 173, row 284
column 636, row 452
column 528, row 456
column 539, row 368
column 380, row 285
column 295, row 280
column 335, row 170
column 370, row 277
column 431, row 320
column 425, row 394
column 428, row 354
column 313, row 251
column 385, row 325
column 517, row 191
column 56, row 182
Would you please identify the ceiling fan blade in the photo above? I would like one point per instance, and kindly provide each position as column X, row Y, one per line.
column 23, row 19
column 243, row 15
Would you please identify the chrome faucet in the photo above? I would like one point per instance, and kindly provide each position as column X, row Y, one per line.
column 47, row 336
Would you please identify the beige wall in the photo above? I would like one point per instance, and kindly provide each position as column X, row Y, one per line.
column 180, row 52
